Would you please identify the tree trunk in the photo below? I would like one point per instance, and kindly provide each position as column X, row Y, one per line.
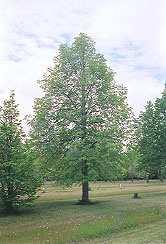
column 84, row 166
column 147, row 177
column 160, row 176
column 85, row 183
column 85, row 192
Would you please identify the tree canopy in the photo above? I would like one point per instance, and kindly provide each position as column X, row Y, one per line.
column 80, row 125
column 19, row 178
column 152, row 140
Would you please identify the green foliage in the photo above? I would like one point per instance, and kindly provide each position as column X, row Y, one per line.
column 19, row 177
column 80, row 124
column 153, row 138
column 131, row 155
column 131, row 161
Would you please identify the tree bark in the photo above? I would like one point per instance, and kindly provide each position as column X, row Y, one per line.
column 160, row 176
column 85, row 183
column 147, row 178
column 85, row 191
column 84, row 169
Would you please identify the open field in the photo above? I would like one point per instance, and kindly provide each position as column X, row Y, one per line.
column 115, row 218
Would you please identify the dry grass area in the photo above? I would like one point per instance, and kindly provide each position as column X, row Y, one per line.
column 115, row 218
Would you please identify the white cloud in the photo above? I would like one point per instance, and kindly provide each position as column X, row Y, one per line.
column 134, row 31
column 130, row 33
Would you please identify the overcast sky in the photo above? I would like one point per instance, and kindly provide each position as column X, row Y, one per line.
column 130, row 33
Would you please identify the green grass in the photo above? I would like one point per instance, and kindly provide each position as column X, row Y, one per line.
column 114, row 224
column 115, row 218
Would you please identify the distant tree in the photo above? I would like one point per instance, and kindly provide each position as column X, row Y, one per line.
column 146, row 131
column 153, row 138
column 131, row 156
column 131, row 162
column 80, row 123
column 19, row 178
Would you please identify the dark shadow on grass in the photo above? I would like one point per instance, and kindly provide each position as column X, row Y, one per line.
column 53, row 204
column 17, row 212
column 43, row 207
column 86, row 203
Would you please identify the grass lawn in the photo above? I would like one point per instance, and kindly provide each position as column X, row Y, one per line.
column 115, row 218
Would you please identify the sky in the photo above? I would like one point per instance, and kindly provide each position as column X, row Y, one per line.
column 130, row 33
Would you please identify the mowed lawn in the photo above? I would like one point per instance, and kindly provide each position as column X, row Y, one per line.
column 114, row 218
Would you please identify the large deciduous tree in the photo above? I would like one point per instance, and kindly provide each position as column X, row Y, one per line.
column 19, row 177
column 152, row 141
column 80, row 123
